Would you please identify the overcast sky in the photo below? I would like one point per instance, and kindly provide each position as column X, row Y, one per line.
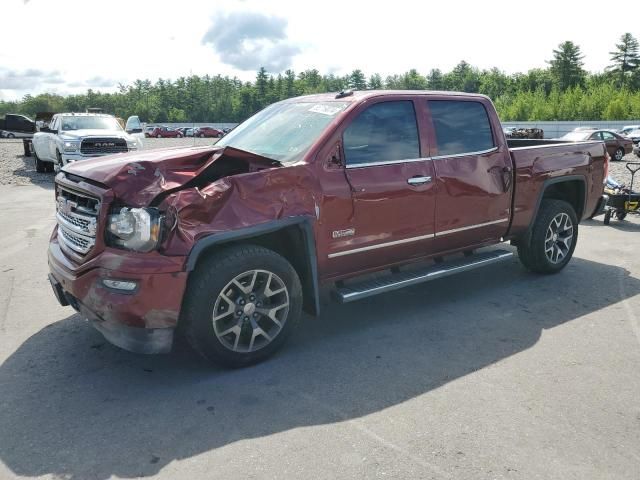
column 69, row 46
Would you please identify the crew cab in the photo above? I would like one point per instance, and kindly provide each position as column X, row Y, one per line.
column 71, row 137
column 230, row 243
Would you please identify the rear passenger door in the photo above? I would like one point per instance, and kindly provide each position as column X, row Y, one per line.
column 473, row 174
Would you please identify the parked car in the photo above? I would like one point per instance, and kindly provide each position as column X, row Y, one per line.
column 188, row 132
column 634, row 136
column 166, row 132
column 584, row 129
column 232, row 241
column 636, row 149
column 148, row 129
column 628, row 129
column 17, row 126
column 208, row 132
column 617, row 145
column 71, row 137
column 182, row 130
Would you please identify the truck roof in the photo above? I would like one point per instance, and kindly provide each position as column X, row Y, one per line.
column 359, row 95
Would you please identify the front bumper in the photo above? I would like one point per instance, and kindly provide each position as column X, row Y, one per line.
column 75, row 157
column 141, row 321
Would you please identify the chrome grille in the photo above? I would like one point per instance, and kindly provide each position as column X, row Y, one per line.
column 103, row 146
column 77, row 216
column 78, row 243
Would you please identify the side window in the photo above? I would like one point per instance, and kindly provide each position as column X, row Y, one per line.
column 383, row 132
column 596, row 136
column 460, row 127
column 608, row 136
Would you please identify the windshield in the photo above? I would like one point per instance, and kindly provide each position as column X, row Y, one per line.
column 577, row 136
column 284, row 131
column 89, row 123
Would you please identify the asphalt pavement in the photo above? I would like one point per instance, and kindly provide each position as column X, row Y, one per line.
column 491, row 374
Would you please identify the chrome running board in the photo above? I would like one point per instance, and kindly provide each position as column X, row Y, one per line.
column 395, row 281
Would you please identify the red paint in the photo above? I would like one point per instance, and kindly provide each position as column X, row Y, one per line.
column 165, row 132
column 208, row 190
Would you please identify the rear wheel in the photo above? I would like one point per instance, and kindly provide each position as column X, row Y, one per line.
column 41, row 166
column 621, row 215
column 158, row 136
column 10, row 135
column 202, row 135
column 241, row 305
column 618, row 155
column 553, row 238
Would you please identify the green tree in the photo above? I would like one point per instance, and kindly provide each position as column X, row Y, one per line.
column 625, row 59
column 357, row 80
column 566, row 66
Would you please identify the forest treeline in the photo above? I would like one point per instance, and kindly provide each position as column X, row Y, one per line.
column 562, row 91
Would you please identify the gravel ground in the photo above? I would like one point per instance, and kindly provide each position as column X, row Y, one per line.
column 16, row 169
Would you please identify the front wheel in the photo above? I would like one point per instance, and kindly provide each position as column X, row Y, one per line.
column 241, row 305
column 158, row 136
column 553, row 238
column 10, row 135
column 619, row 153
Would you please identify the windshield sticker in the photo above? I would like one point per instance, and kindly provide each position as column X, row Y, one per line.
column 325, row 109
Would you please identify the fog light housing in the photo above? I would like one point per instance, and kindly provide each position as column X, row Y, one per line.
column 122, row 285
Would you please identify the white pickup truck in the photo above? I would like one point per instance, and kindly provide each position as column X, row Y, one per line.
column 76, row 136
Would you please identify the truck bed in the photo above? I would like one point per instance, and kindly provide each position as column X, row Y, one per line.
column 539, row 163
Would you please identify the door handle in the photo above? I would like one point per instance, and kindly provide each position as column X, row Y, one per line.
column 418, row 180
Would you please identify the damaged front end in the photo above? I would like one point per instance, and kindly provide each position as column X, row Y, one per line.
column 152, row 208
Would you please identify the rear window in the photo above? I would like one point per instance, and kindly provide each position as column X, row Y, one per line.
column 384, row 132
column 460, row 127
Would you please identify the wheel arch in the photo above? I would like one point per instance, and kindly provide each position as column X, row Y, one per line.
column 571, row 188
column 290, row 237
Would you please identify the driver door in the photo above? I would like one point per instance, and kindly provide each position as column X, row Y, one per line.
column 392, row 190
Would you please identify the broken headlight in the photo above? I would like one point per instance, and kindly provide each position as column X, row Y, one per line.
column 135, row 229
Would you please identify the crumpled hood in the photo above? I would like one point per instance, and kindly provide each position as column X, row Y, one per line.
column 137, row 178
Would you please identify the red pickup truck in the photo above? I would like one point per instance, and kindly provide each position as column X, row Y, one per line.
column 230, row 243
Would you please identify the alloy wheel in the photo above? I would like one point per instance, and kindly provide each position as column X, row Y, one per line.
column 559, row 237
column 251, row 311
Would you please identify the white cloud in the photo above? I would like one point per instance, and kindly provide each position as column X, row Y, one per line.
column 120, row 40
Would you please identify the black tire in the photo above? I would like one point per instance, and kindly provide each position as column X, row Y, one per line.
column 59, row 159
column 607, row 217
column 158, row 136
column 534, row 254
column 621, row 215
column 618, row 155
column 27, row 148
column 41, row 167
column 10, row 135
column 212, row 278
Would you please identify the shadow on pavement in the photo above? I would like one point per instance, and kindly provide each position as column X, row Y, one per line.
column 73, row 406
column 26, row 172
